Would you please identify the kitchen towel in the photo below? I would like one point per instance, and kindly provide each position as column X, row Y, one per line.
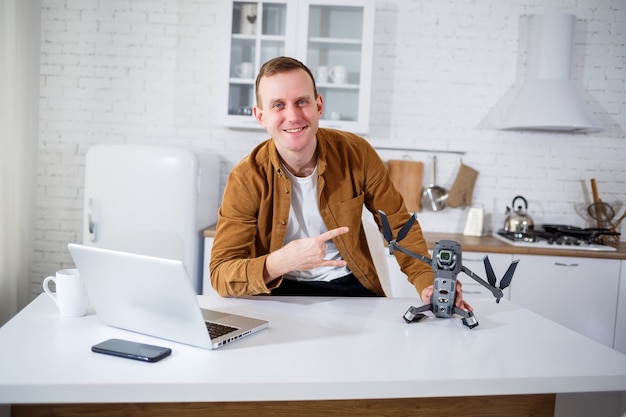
column 407, row 177
column 463, row 187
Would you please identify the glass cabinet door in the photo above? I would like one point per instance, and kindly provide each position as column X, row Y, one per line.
column 258, row 33
column 334, row 56
column 333, row 38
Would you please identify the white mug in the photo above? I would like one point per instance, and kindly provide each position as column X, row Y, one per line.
column 338, row 74
column 245, row 70
column 321, row 74
column 70, row 297
column 335, row 115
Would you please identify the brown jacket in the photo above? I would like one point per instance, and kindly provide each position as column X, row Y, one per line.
column 255, row 208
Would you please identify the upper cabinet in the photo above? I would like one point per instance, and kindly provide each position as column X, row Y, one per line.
column 333, row 38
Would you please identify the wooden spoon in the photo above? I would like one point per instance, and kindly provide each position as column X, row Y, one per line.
column 599, row 208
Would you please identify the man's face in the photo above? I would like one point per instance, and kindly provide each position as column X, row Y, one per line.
column 289, row 111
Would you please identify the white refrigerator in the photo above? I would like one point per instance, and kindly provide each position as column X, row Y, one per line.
column 151, row 200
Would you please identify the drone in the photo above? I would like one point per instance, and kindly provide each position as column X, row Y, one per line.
column 446, row 264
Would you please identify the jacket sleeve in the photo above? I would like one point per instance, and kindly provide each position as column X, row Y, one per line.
column 235, row 268
column 383, row 195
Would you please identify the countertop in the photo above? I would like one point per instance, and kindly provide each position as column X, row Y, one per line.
column 362, row 349
column 492, row 245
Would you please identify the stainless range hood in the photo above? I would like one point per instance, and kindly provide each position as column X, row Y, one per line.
column 548, row 99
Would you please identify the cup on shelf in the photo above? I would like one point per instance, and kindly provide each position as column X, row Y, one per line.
column 244, row 70
column 70, row 296
column 339, row 74
column 321, row 75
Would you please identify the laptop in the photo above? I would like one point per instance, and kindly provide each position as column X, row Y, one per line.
column 154, row 296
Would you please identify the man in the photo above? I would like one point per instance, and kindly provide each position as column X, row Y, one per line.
column 290, row 220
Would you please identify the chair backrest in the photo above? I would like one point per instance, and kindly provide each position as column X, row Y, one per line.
column 392, row 279
column 378, row 250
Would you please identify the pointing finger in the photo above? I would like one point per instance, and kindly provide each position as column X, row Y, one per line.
column 334, row 233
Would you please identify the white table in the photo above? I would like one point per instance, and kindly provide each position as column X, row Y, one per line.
column 315, row 349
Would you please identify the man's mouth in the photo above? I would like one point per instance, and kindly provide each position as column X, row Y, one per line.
column 295, row 130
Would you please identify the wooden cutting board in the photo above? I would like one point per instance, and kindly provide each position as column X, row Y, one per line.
column 407, row 176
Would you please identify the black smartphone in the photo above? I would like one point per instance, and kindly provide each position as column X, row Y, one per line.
column 132, row 350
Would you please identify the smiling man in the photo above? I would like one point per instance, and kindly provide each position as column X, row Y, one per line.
column 290, row 220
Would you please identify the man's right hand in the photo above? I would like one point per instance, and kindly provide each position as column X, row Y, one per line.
column 302, row 255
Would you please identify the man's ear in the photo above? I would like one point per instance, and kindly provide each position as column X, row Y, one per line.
column 258, row 115
column 320, row 105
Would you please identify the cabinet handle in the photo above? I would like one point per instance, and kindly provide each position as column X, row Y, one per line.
column 92, row 221
column 563, row 264
column 471, row 260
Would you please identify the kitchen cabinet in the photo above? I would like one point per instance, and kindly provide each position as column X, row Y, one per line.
column 620, row 323
column 579, row 293
column 333, row 38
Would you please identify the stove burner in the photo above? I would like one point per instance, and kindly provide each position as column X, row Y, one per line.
column 558, row 235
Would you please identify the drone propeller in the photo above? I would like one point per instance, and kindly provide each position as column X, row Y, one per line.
column 508, row 275
column 386, row 227
column 405, row 229
column 491, row 276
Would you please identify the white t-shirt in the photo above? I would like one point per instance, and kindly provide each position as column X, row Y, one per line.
column 305, row 221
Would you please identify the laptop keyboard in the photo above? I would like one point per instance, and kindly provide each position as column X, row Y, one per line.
column 217, row 330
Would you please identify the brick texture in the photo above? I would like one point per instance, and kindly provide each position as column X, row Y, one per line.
column 147, row 72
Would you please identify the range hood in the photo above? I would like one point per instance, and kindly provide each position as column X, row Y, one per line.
column 548, row 99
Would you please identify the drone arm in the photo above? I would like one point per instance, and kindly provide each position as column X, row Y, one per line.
column 417, row 256
column 497, row 292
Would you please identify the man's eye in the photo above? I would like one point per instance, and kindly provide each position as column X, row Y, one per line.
column 302, row 102
column 277, row 105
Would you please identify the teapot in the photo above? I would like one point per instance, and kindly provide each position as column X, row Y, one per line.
column 516, row 220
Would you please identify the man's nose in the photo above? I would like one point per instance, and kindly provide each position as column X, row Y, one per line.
column 293, row 111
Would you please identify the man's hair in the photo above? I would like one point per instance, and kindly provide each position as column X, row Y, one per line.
column 279, row 65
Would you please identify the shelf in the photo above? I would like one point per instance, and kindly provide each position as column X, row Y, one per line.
column 338, row 86
column 335, row 41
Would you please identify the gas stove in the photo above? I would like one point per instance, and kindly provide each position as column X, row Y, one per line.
column 553, row 240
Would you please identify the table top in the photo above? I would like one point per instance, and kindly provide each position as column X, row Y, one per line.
column 315, row 348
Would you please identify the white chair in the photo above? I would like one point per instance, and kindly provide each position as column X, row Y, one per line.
column 378, row 250
column 392, row 279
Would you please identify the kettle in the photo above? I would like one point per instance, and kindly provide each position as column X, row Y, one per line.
column 516, row 220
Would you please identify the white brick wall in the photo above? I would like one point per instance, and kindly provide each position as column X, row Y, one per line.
column 146, row 71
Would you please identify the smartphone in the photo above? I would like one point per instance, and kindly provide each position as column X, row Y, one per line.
column 132, row 350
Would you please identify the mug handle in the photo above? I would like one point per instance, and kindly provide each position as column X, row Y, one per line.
column 47, row 290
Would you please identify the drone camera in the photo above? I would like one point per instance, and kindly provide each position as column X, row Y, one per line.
column 445, row 256
column 446, row 259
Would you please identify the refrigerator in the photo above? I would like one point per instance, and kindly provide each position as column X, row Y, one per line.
column 151, row 200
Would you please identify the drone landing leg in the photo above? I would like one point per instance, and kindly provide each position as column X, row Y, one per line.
column 468, row 317
column 414, row 314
